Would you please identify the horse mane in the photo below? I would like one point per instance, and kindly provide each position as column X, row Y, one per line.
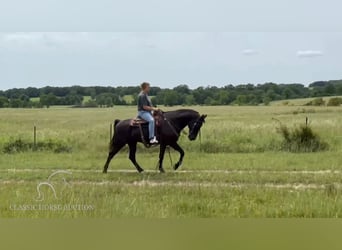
column 182, row 114
column 183, row 111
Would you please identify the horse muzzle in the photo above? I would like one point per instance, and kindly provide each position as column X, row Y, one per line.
column 192, row 137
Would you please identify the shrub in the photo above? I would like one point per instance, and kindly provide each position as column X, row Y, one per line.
column 19, row 145
column 316, row 102
column 336, row 101
column 236, row 145
column 301, row 139
column 303, row 111
column 90, row 104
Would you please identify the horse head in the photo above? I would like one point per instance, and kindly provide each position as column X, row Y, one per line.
column 195, row 127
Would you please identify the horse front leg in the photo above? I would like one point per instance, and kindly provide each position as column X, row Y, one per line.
column 176, row 147
column 161, row 157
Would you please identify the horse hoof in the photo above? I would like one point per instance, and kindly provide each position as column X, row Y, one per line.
column 161, row 170
column 104, row 171
column 140, row 170
column 176, row 166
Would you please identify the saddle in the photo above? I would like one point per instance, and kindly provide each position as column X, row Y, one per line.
column 138, row 121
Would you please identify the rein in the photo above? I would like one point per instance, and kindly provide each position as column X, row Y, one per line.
column 172, row 126
column 200, row 139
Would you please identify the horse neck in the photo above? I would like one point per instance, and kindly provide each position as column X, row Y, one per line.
column 182, row 120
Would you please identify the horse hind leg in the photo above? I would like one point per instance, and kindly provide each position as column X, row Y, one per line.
column 161, row 157
column 132, row 152
column 113, row 151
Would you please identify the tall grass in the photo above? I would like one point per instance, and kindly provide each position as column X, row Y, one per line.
column 301, row 139
column 20, row 146
column 230, row 172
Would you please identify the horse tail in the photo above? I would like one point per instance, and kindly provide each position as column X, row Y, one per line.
column 115, row 123
column 111, row 144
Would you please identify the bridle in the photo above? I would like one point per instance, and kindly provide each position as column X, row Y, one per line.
column 198, row 123
column 175, row 129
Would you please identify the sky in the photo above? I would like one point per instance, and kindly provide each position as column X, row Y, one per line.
column 177, row 42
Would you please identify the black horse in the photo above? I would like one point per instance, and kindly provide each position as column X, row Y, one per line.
column 170, row 127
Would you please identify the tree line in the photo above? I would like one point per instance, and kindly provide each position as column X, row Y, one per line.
column 243, row 94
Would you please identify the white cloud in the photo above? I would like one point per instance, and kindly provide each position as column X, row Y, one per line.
column 35, row 36
column 41, row 40
column 309, row 53
column 22, row 37
column 249, row 52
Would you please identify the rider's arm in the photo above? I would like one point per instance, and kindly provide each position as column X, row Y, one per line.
column 149, row 108
column 147, row 104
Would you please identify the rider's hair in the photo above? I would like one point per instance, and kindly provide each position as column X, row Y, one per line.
column 144, row 85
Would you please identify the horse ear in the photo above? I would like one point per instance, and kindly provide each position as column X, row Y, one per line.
column 204, row 116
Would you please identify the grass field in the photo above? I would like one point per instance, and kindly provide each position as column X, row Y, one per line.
column 128, row 98
column 86, row 99
column 237, row 170
column 35, row 99
column 299, row 101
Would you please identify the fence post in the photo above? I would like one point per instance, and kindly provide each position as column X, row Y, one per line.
column 34, row 136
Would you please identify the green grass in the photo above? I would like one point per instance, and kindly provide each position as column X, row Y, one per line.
column 128, row 98
column 86, row 99
column 237, row 170
column 35, row 99
column 299, row 101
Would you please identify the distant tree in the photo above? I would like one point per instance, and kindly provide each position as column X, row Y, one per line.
column 243, row 94
column 209, row 101
column 153, row 91
column 339, row 90
column 171, row 98
column 317, row 84
column 266, row 100
column 330, row 89
column 4, row 103
column 200, row 95
column 91, row 103
column 109, row 100
column 72, row 99
column 32, row 92
column 135, row 100
column 16, row 103
column 241, row 100
column 24, row 98
column 223, row 97
column 182, row 89
column 271, row 94
column 287, row 93
column 190, row 100
column 48, row 100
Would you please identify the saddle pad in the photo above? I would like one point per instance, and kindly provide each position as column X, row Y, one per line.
column 137, row 121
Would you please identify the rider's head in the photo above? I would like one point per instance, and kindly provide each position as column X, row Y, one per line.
column 145, row 87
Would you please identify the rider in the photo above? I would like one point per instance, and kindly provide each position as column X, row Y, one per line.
column 145, row 109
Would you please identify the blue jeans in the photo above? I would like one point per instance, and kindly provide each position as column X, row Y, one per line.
column 147, row 116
